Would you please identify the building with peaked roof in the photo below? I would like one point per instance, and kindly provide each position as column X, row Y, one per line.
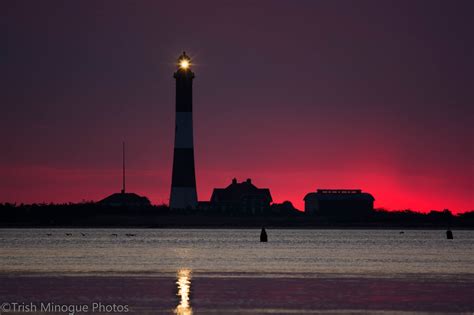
column 338, row 202
column 241, row 198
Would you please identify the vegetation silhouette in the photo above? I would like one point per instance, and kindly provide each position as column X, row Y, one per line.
column 90, row 214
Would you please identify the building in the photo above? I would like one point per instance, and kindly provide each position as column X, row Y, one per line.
column 183, row 182
column 338, row 202
column 241, row 198
column 124, row 199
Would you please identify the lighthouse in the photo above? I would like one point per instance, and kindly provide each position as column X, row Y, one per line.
column 183, row 182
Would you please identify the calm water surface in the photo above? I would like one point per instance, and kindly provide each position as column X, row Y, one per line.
column 212, row 251
column 170, row 271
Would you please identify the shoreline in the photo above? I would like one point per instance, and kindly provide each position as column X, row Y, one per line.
column 426, row 276
column 243, row 227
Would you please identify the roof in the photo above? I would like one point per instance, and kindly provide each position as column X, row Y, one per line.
column 237, row 191
column 339, row 194
column 125, row 199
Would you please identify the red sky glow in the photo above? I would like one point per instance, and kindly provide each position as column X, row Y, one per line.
column 296, row 95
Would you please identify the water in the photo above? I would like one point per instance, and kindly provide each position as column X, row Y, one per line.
column 362, row 252
column 228, row 271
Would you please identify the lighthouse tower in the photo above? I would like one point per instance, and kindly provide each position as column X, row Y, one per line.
column 183, row 182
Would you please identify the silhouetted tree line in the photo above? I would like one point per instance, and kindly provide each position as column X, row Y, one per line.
column 431, row 218
column 284, row 214
column 68, row 213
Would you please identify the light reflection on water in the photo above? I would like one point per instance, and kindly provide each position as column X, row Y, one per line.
column 185, row 272
column 183, row 283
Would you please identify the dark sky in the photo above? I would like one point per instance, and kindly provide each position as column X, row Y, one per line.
column 297, row 95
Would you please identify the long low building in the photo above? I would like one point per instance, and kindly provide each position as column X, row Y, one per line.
column 338, row 202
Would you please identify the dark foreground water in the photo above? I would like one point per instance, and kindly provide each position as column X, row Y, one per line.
column 65, row 271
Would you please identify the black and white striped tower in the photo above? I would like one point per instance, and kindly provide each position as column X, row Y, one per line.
column 183, row 182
